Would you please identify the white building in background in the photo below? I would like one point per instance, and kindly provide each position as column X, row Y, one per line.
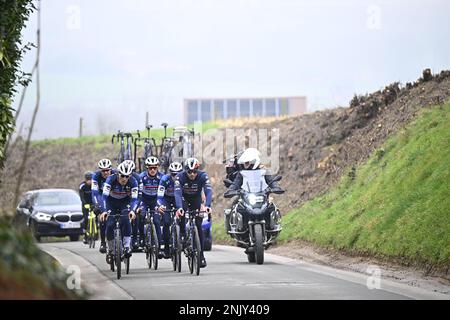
column 208, row 109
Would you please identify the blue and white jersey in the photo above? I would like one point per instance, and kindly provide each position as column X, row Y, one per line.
column 185, row 187
column 166, row 189
column 149, row 187
column 137, row 176
column 117, row 195
column 97, row 186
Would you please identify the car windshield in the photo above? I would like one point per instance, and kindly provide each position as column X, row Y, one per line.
column 57, row 199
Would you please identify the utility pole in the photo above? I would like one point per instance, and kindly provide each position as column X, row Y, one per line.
column 146, row 119
column 80, row 132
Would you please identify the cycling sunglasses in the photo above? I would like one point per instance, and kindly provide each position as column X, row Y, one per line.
column 124, row 176
column 174, row 174
column 106, row 170
column 192, row 171
column 152, row 168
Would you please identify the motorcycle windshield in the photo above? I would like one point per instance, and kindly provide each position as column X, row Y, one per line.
column 254, row 180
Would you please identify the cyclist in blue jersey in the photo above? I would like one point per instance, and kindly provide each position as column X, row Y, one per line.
column 138, row 224
column 120, row 196
column 166, row 200
column 98, row 179
column 150, row 182
column 188, row 196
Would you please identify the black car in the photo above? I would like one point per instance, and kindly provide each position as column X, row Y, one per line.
column 51, row 212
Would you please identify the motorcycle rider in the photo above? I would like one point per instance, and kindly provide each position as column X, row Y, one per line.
column 166, row 199
column 250, row 160
column 120, row 195
column 98, row 179
column 188, row 196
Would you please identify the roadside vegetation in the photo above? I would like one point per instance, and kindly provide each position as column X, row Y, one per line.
column 394, row 205
column 26, row 272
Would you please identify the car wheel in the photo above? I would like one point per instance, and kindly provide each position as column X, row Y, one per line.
column 33, row 228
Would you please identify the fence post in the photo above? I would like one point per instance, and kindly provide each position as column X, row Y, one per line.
column 80, row 132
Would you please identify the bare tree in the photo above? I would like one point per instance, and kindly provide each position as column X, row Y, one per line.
column 36, row 108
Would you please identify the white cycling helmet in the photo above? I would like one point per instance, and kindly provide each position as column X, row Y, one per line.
column 151, row 161
column 125, row 168
column 191, row 164
column 104, row 164
column 252, row 156
column 131, row 163
column 175, row 167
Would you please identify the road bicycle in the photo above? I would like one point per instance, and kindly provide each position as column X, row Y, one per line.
column 166, row 150
column 92, row 228
column 193, row 249
column 150, row 148
column 151, row 243
column 176, row 246
column 125, row 152
column 117, row 256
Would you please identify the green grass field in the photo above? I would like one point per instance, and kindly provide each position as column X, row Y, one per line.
column 397, row 205
column 100, row 141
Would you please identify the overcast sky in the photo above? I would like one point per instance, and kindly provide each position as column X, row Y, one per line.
column 110, row 61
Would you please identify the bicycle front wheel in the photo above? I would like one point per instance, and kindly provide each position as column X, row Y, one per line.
column 148, row 246
column 176, row 249
column 190, row 252
column 155, row 247
column 127, row 265
column 118, row 252
column 197, row 252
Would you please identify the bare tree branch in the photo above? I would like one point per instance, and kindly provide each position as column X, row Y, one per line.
column 36, row 109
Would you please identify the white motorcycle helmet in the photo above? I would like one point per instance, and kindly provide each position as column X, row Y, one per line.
column 250, row 156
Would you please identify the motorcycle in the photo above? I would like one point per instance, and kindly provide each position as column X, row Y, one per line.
column 254, row 221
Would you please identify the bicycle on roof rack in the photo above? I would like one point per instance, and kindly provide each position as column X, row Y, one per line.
column 125, row 152
column 185, row 143
column 149, row 150
column 166, row 150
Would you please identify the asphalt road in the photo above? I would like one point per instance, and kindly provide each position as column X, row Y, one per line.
column 227, row 276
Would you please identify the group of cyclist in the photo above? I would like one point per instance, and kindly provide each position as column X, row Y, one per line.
column 133, row 196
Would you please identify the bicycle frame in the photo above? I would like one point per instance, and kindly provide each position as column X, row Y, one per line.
column 118, row 247
column 92, row 223
column 151, row 241
column 125, row 153
column 193, row 252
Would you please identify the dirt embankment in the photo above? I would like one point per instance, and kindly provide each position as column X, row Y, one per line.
column 317, row 148
column 49, row 166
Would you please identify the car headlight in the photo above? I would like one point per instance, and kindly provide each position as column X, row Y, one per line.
column 41, row 216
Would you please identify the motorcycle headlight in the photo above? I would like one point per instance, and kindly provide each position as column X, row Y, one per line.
column 254, row 199
column 41, row 216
